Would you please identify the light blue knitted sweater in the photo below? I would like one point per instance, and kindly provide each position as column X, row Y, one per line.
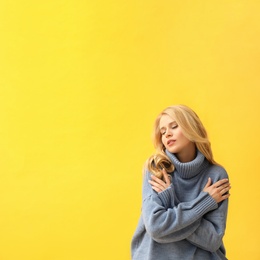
column 182, row 222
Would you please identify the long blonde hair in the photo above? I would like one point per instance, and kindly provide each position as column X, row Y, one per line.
column 192, row 128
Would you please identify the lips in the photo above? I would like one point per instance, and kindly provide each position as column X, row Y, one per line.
column 171, row 142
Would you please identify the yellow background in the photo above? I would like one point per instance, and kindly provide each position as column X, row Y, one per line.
column 81, row 83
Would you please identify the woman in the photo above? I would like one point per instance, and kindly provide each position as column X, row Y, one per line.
column 185, row 193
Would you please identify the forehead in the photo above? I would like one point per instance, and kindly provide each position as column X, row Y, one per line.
column 165, row 120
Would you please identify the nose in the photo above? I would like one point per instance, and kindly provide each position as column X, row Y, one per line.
column 168, row 132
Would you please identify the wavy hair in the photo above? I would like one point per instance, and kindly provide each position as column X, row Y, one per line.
column 192, row 129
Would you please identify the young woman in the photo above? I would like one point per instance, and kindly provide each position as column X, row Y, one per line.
column 185, row 193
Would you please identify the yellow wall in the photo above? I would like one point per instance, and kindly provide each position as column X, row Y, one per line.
column 80, row 85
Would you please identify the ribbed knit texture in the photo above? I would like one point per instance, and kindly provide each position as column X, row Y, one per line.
column 190, row 169
column 173, row 224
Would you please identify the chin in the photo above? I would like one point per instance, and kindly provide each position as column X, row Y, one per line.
column 172, row 150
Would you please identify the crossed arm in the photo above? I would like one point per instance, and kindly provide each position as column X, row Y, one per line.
column 218, row 191
column 200, row 221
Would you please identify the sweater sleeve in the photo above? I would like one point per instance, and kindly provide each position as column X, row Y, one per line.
column 211, row 230
column 166, row 224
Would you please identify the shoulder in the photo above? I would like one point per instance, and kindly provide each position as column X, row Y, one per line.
column 217, row 172
column 147, row 188
column 146, row 175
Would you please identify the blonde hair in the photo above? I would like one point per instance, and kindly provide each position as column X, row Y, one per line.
column 192, row 129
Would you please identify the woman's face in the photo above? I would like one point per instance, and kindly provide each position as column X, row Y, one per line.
column 173, row 138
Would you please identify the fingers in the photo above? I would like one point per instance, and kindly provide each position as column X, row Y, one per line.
column 221, row 182
column 224, row 197
column 220, row 185
column 220, row 190
column 159, row 185
column 208, row 183
column 225, row 190
column 166, row 177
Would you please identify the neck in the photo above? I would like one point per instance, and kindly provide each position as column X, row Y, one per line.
column 188, row 154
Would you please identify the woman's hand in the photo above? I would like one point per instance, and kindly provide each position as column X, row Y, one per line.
column 158, row 184
column 219, row 191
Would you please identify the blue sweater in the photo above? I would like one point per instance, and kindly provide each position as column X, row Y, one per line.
column 182, row 222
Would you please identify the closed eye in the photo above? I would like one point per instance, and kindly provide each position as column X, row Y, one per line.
column 172, row 125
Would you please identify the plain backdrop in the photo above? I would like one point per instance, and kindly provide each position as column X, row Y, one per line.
column 81, row 83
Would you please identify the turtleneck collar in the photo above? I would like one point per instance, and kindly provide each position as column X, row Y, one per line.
column 189, row 169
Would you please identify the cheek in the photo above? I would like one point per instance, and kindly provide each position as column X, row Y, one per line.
column 184, row 139
column 163, row 140
column 180, row 135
